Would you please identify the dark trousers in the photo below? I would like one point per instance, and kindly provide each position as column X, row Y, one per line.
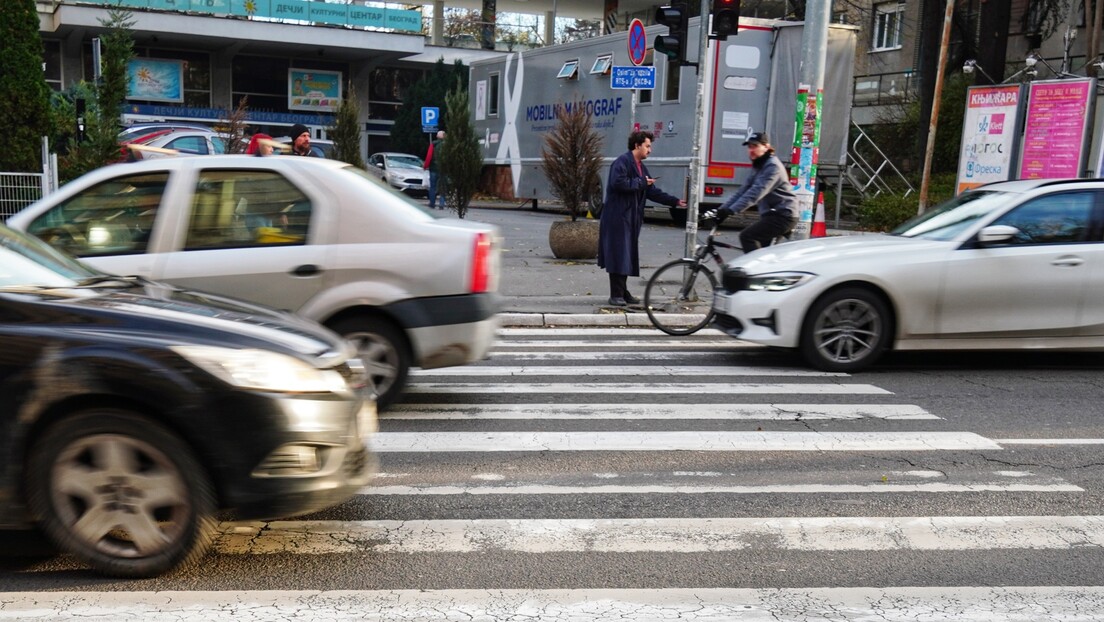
column 618, row 285
column 770, row 226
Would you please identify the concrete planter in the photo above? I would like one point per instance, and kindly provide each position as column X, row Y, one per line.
column 574, row 240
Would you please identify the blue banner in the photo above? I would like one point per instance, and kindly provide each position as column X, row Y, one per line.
column 215, row 114
column 301, row 10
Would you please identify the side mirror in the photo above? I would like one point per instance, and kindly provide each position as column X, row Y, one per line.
column 997, row 233
column 379, row 165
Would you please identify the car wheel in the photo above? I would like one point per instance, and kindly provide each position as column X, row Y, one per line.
column 122, row 493
column 384, row 350
column 846, row 330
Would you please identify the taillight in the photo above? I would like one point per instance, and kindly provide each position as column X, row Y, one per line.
column 714, row 191
column 481, row 264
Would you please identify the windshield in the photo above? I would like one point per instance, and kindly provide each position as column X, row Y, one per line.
column 25, row 260
column 407, row 161
column 949, row 219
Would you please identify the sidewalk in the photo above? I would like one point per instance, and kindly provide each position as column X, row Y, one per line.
column 539, row 290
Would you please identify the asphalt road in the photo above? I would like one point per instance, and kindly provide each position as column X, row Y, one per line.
column 930, row 477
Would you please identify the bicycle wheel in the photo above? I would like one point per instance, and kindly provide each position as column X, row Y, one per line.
column 679, row 297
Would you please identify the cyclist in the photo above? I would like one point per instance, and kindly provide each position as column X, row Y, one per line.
column 769, row 188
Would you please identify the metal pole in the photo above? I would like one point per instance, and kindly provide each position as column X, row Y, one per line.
column 703, row 72
column 929, row 151
column 814, row 50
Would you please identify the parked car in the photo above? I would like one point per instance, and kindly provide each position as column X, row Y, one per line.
column 321, row 148
column 138, row 130
column 185, row 142
column 133, row 411
column 317, row 237
column 1013, row 265
column 401, row 171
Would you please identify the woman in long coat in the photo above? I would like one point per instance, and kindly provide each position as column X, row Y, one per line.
column 628, row 188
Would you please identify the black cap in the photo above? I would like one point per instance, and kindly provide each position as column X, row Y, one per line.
column 757, row 138
column 297, row 131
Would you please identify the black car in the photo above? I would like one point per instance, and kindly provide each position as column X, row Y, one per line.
column 132, row 411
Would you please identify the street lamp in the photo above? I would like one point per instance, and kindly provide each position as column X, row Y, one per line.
column 970, row 65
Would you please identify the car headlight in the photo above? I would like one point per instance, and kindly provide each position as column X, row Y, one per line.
column 777, row 282
column 263, row 370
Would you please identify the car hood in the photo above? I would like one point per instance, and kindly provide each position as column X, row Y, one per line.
column 807, row 255
column 157, row 312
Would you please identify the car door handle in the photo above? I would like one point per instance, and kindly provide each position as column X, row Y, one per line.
column 308, row 269
column 1067, row 261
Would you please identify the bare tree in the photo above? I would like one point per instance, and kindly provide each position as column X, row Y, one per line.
column 232, row 126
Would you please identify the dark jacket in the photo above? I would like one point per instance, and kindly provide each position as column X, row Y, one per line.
column 433, row 154
column 768, row 187
column 623, row 215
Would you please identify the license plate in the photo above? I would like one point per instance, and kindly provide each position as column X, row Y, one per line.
column 367, row 422
column 718, row 302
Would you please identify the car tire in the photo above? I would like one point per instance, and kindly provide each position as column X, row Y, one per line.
column 846, row 330
column 384, row 351
column 98, row 478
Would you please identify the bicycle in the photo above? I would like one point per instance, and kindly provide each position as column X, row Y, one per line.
column 685, row 287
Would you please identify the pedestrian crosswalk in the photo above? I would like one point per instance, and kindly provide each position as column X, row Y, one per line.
column 585, row 474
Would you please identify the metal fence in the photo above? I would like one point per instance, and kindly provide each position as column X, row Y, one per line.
column 18, row 190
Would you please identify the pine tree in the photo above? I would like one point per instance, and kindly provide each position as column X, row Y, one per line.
column 24, row 95
column 461, row 157
column 346, row 131
column 406, row 134
column 101, row 145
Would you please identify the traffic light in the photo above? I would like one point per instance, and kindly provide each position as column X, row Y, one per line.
column 726, row 18
column 673, row 44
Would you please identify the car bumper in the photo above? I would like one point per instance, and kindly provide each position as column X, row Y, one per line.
column 768, row 318
column 306, row 470
column 449, row 330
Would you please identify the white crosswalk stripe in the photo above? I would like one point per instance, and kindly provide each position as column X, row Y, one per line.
column 483, row 468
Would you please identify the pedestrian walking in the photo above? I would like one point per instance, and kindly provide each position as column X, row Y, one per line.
column 259, row 145
column 629, row 187
column 431, row 164
column 769, row 188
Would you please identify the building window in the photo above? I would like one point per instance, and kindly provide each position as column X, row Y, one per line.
column 51, row 59
column 386, row 88
column 887, row 26
column 492, row 95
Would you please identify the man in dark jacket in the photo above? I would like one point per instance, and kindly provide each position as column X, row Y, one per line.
column 769, row 188
column 300, row 141
column 628, row 188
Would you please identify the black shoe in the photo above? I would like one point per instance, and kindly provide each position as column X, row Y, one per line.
column 618, row 302
column 633, row 300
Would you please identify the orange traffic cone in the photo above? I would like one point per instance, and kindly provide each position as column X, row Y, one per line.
column 820, row 229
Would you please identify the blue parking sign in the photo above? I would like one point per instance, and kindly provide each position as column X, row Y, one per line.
column 430, row 115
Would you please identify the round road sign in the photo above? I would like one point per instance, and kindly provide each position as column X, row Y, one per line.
column 638, row 42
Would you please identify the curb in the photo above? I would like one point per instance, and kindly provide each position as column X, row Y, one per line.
column 614, row 319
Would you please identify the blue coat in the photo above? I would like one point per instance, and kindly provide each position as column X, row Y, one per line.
column 623, row 215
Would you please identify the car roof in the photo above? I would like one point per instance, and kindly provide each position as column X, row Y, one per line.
column 1026, row 185
column 397, row 153
column 222, row 161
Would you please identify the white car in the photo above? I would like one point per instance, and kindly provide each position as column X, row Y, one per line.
column 314, row 236
column 184, row 142
column 401, row 171
column 1014, row 265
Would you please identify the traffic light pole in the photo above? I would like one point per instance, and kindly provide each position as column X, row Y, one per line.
column 696, row 177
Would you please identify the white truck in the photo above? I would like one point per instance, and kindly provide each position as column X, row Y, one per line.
column 751, row 86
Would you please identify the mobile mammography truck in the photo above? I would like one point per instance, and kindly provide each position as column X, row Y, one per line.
column 751, row 85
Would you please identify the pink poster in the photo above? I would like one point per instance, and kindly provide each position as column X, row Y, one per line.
column 1054, row 132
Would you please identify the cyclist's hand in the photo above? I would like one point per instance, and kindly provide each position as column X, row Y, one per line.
column 723, row 213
